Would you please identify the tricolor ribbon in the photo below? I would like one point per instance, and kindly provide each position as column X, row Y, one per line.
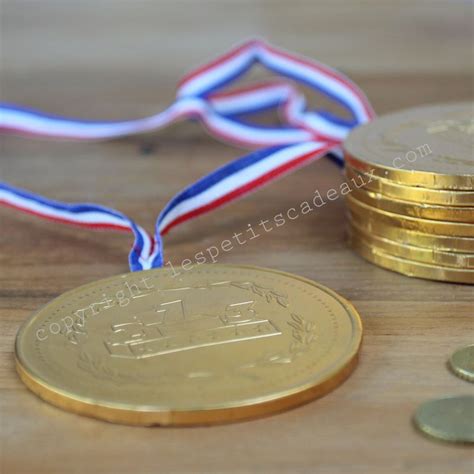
column 304, row 136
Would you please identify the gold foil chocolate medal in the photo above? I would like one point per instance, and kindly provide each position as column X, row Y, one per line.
column 412, row 206
column 214, row 344
column 428, row 147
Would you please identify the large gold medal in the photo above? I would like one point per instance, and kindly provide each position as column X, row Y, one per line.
column 214, row 344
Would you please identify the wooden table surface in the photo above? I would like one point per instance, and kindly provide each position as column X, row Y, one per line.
column 113, row 59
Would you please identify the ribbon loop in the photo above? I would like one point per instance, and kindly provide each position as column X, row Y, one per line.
column 303, row 136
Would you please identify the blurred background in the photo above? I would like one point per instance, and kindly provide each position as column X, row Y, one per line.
column 122, row 58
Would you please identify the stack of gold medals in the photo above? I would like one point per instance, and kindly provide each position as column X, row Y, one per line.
column 411, row 209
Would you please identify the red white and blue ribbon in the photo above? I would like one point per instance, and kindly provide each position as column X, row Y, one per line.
column 304, row 136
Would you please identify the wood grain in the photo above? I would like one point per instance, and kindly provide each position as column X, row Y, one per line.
column 113, row 59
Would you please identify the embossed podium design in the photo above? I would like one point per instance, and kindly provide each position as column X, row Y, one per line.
column 179, row 325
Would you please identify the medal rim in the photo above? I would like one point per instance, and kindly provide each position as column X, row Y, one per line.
column 419, row 210
column 443, row 243
column 412, row 194
column 425, row 226
column 412, row 252
column 408, row 267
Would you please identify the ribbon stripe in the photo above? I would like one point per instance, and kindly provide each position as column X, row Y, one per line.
column 303, row 136
column 249, row 172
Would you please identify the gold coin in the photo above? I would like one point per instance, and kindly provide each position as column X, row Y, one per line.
column 419, row 210
column 417, row 194
column 462, row 363
column 409, row 267
column 411, row 252
column 411, row 237
column 427, row 146
column 448, row 419
column 427, row 226
column 214, row 344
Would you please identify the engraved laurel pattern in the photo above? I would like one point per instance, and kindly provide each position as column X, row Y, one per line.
column 268, row 294
column 303, row 333
column 99, row 368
